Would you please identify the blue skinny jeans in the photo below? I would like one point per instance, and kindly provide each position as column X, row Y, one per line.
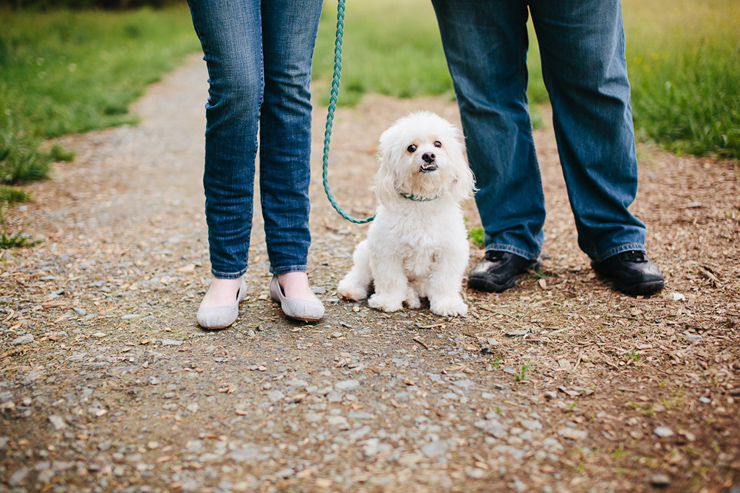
column 582, row 48
column 259, row 56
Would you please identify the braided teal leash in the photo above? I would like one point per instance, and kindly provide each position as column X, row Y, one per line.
column 330, row 114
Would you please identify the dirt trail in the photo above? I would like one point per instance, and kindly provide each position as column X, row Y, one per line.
column 559, row 384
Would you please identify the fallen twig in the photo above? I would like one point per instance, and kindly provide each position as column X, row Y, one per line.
column 416, row 339
column 11, row 353
column 707, row 272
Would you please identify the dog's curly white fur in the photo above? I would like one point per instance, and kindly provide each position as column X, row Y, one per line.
column 417, row 246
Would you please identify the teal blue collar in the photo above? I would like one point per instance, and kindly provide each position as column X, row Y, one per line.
column 416, row 198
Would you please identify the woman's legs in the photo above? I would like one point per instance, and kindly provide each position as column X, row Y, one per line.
column 231, row 37
column 289, row 34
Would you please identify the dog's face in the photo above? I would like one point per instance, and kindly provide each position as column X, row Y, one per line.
column 422, row 155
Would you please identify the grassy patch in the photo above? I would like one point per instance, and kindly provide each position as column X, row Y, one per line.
column 632, row 356
column 683, row 56
column 69, row 72
column 521, row 375
column 10, row 195
column 477, row 236
column 381, row 54
column 685, row 74
column 18, row 240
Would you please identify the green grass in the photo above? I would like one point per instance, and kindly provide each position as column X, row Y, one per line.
column 477, row 236
column 684, row 62
column 521, row 375
column 683, row 58
column 633, row 355
column 390, row 48
column 10, row 195
column 69, row 72
column 17, row 240
column 383, row 54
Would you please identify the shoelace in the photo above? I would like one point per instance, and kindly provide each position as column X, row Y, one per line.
column 634, row 256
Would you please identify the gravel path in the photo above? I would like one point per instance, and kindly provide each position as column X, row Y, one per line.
column 559, row 384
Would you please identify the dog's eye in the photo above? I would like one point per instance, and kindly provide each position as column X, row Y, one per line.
column 437, row 143
column 411, row 148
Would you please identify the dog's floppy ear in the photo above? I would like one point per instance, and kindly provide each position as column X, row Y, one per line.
column 464, row 185
column 386, row 181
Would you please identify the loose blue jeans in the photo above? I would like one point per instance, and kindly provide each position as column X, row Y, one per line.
column 583, row 63
column 259, row 56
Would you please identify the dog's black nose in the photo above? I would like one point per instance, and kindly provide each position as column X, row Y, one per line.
column 428, row 157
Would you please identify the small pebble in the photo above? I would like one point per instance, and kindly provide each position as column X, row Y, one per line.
column 171, row 342
column 347, row 386
column 660, row 480
column 677, row 297
column 338, row 422
column 693, row 337
column 572, row 434
column 18, row 477
column 475, row 473
column 25, row 339
column 663, row 432
column 435, row 448
column 275, row 396
column 57, row 422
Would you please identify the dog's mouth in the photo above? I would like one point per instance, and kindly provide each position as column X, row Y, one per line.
column 428, row 167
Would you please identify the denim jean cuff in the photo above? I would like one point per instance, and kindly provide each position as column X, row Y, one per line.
column 228, row 275
column 511, row 249
column 284, row 270
column 617, row 250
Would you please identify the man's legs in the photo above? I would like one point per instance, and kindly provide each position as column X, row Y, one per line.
column 582, row 47
column 486, row 44
column 486, row 48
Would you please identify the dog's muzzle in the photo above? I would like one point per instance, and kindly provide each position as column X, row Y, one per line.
column 429, row 163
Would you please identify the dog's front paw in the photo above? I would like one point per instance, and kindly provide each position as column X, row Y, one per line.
column 449, row 307
column 385, row 303
column 412, row 298
column 351, row 291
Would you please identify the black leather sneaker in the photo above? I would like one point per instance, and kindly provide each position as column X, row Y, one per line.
column 632, row 272
column 497, row 271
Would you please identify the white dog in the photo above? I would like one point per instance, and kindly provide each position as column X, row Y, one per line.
column 417, row 246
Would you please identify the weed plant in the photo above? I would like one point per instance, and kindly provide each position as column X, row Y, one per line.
column 477, row 236
column 18, row 240
column 521, row 375
column 10, row 195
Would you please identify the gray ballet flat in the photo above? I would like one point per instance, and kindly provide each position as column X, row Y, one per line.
column 220, row 317
column 308, row 311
